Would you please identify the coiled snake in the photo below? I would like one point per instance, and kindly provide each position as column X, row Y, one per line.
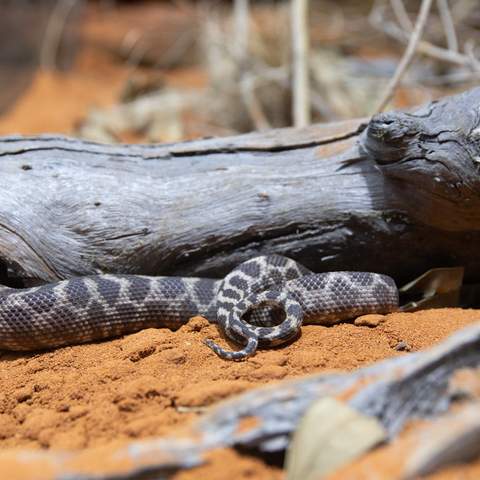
column 262, row 301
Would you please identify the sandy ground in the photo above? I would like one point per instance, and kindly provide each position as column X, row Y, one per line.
column 156, row 381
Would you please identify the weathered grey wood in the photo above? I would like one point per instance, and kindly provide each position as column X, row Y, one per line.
column 330, row 196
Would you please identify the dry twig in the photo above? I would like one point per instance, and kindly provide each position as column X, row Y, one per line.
column 54, row 31
column 407, row 56
column 301, row 87
column 241, row 19
column 252, row 104
column 448, row 25
column 378, row 20
column 401, row 15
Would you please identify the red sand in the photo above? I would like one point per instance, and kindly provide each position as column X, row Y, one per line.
column 156, row 381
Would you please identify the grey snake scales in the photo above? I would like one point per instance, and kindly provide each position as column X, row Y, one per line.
column 263, row 301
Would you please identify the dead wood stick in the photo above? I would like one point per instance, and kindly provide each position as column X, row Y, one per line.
column 54, row 31
column 407, row 56
column 424, row 47
column 301, row 84
column 448, row 25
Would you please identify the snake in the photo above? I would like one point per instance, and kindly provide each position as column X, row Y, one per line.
column 263, row 301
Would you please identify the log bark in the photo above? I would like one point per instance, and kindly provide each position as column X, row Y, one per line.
column 397, row 195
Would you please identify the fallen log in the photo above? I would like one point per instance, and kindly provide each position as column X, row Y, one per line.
column 397, row 195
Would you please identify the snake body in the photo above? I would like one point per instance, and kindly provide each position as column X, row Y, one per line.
column 264, row 301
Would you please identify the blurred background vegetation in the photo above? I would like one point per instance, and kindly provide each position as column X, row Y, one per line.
column 156, row 71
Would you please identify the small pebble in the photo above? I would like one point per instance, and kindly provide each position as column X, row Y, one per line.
column 23, row 394
column 196, row 324
column 372, row 320
column 402, row 346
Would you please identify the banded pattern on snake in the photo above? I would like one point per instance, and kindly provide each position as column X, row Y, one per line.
column 263, row 301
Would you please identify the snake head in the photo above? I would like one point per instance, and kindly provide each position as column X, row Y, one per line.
column 430, row 159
